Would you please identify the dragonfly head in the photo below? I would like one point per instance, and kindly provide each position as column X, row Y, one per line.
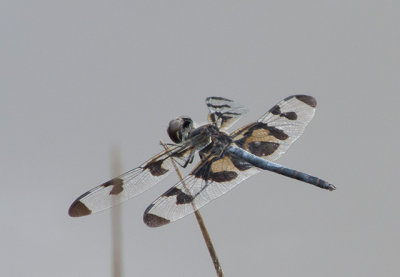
column 180, row 128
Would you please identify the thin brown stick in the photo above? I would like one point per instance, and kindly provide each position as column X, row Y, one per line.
column 116, row 221
column 202, row 226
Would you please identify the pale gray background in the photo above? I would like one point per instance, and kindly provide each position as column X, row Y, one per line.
column 78, row 77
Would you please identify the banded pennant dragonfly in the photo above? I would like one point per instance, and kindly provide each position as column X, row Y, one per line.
column 225, row 159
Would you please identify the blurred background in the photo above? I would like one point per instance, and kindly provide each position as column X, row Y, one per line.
column 79, row 78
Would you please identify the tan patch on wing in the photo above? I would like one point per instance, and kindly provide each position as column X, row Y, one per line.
column 259, row 139
column 223, row 170
column 261, row 135
column 224, row 164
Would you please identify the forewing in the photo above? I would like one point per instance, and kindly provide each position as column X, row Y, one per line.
column 276, row 130
column 223, row 112
column 213, row 177
column 129, row 184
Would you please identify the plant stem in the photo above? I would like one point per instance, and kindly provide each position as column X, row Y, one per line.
column 202, row 226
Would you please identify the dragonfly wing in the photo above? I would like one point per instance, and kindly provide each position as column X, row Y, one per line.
column 129, row 184
column 224, row 112
column 212, row 178
column 276, row 130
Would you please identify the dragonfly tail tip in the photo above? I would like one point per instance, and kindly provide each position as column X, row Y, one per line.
column 331, row 187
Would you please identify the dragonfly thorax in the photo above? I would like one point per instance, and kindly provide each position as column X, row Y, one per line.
column 216, row 141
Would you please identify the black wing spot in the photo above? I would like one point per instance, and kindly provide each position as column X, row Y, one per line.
column 116, row 184
column 275, row 110
column 277, row 133
column 262, row 148
column 181, row 197
column 218, row 106
column 78, row 209
column 309, row 100
column 240, row 164
column 218, row 98
column 223, row 176
column 155, row 168
column 290, row 115
column 153, row 220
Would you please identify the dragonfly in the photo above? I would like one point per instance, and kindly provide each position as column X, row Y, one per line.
column 225, row 159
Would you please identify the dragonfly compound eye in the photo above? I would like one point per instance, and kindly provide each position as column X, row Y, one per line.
column 179, row 128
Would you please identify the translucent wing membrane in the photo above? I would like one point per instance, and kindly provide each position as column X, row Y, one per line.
column 222, row 165
column 211, row 178
column 130, row 183
column 276, row 130
column 224, row 112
